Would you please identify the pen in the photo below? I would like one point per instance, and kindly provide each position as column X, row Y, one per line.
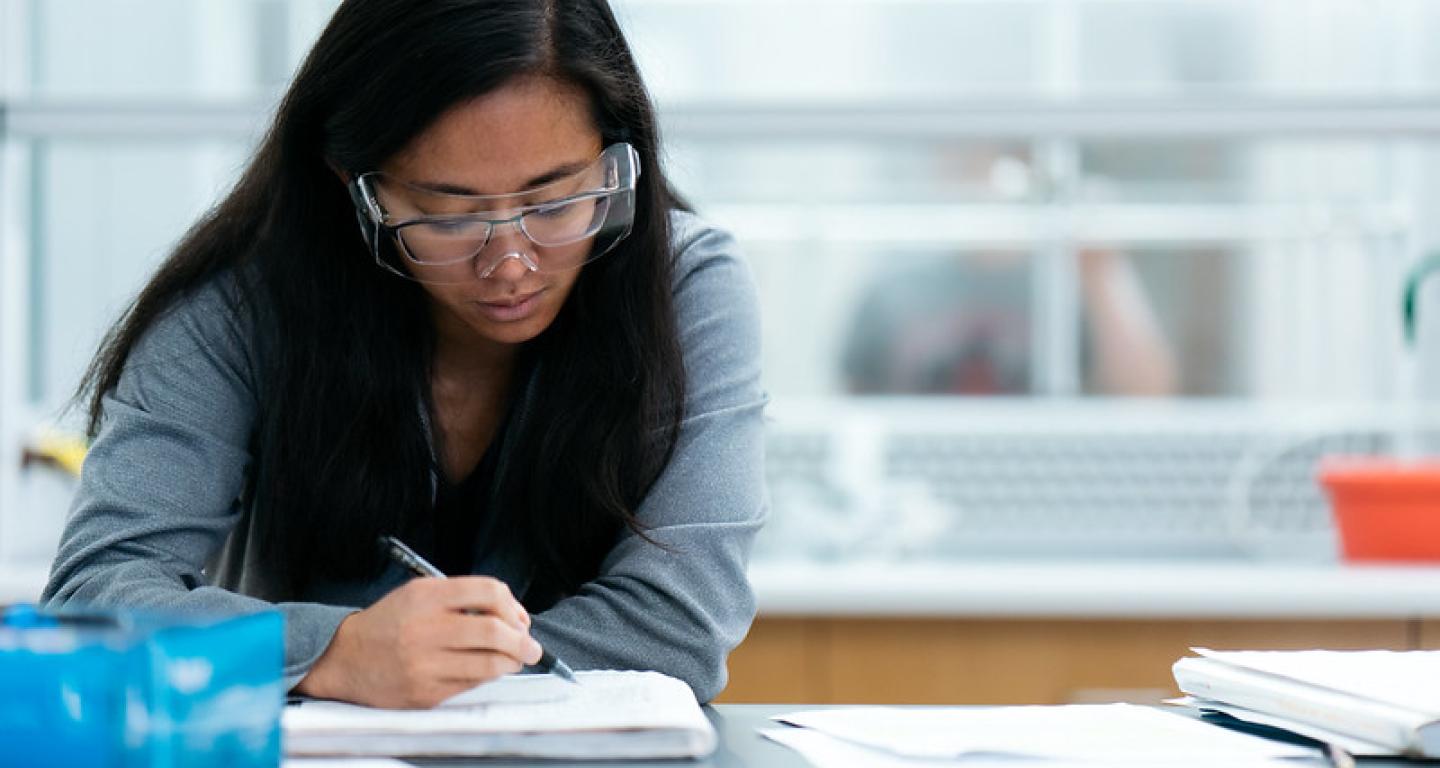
column 1338, row 756
column 422, row 567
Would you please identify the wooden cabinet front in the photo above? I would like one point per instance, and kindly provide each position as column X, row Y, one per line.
column 1004, row 661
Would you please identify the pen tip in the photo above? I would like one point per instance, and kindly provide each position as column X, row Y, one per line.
column 551, row 663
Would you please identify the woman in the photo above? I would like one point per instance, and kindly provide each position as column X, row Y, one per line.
column 527, row 361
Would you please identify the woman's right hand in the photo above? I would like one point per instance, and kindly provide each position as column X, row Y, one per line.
column 423, row 643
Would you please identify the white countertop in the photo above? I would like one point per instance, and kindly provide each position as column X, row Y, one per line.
column 1045, row 588
column 1097, row 589
column 22, row 584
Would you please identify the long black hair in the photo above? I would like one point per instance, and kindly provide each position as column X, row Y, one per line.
column 340, row 452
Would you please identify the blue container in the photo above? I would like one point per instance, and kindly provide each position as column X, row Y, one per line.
column 123, row 689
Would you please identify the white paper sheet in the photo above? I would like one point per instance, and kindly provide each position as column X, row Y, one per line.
column 823, row 751
column 1107, row 733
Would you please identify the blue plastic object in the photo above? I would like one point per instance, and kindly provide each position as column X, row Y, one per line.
column 103, row 688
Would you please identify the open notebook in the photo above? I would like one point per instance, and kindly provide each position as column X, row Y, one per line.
column 1371, row 702
column 610, row 715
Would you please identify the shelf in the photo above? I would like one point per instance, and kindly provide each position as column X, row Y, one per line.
column 950, row 117
column 1037, row 225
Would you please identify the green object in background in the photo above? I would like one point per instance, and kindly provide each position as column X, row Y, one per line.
column 1413, row 281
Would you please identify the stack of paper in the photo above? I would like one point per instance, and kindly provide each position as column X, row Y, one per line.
column 610, row 715
column 1370, row 702
column 1109, row 734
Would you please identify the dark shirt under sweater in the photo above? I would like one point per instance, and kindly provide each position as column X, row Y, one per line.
column 463, row 525
column 459, row 510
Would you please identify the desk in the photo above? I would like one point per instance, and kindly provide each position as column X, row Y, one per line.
column 742, row 747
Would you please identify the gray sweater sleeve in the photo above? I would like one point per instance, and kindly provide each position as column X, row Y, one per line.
column 682, row 611
column 161, row 484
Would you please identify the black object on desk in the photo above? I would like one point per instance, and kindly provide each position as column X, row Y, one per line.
column 422, row 567
column 1337, row 756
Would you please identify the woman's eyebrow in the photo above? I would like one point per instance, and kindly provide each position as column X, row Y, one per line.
column 553, row 174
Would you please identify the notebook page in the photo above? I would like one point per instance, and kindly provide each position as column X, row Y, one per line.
column 515, row 689
column 608, row 700
column 1389, row 676
column 1363, row 718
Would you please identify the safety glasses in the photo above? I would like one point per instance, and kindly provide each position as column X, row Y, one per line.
column 438, row 237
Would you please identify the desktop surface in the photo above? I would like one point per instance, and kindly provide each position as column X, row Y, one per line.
column 742, row 746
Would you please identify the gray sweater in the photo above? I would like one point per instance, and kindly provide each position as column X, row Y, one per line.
column 158, row 520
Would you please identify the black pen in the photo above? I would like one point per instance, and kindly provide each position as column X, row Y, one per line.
column 422, row 567
column 1338, row 756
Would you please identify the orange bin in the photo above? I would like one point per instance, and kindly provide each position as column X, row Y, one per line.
column 1385, row 509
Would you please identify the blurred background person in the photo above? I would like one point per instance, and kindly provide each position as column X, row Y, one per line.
column 961, row 325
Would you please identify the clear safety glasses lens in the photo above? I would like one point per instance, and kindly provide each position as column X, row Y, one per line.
column 430, row 236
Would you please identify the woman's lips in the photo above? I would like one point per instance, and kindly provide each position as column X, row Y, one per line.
column 510, row 310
